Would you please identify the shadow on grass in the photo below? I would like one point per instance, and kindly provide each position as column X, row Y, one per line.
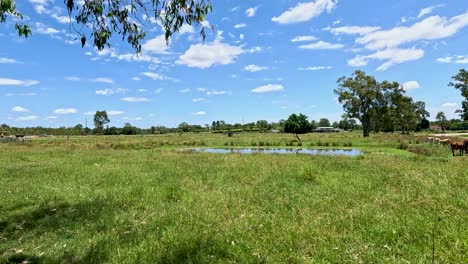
column 54, row 217
column 75, row 221
column 200, row 250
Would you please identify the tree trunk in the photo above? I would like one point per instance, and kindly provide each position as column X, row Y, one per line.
column 365, row 128
column 297, row 137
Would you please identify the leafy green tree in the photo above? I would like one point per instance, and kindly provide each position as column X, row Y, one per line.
column 184, row 127
column 78, row 129
column 262, row 125
column 359, row 94
column 346, row 123
column 100, row 119
column 8, row 10
column 297, row 124
column 313, row 125
column 461, row 83
column 442, row 120
column 324, row 122
column 401, row 112
column 101, row 19
column 128, row 129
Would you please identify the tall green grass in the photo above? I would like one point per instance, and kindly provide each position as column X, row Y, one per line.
column 135, row 200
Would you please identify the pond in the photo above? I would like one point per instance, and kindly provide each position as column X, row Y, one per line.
column 327, row 152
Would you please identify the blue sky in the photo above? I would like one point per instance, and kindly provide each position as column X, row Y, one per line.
column 262, row 61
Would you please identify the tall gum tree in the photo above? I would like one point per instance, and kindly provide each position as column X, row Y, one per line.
column 460, row 82
column 359, row 94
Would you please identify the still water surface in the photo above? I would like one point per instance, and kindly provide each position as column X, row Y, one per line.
column 328, row 152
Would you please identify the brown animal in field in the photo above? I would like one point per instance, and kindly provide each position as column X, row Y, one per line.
column 460, row 146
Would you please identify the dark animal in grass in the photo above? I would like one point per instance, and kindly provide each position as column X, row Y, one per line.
column 460, row 146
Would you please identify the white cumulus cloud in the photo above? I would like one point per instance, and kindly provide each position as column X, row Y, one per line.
column 135, row 99
column 303, row 12
column 7, row 61
column 449, row 105
column 303, row 38
column 411, row 85
column 321, row 45
column 102, row 80
column 254, row 68
column 14, row 82
column 115, row 112
column 206, row 55
column 391, row 56
column 457, row 59
column 156, row 45
column 250, row 12
column 314, row 68
column 431, row 28
column 240, row 25
column 352, row 30
column 109, row 91
column 19, row 109
column 268, row 88
column 64, row 111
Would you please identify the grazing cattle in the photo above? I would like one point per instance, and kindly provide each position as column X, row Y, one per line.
column 430, row 139
column 436, row 141
column 445, row 142
column 7, row 139
column 460, row 146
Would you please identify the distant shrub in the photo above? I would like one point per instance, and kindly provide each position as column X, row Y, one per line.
column 402, row 145
column 261, row 143
column 253, row 143
column 421, row 150
column 347, row 144
column 319, row 143
column 326, row 144
column 226, row 143
column 232, row 143
column 267, row 144
column 335, row 144
column 311, row 144
column 299, row 144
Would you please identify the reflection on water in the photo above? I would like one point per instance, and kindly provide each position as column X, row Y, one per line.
column 329, row 152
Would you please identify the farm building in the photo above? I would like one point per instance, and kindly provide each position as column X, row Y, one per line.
column 327, row 130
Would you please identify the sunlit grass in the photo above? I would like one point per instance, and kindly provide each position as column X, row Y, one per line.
column 135, row 200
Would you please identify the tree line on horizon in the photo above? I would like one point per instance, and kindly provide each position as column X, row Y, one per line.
column 378, row 106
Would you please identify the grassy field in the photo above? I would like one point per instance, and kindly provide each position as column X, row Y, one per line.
column 139, row 199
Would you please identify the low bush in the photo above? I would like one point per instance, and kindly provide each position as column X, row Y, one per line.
column 403, row 146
